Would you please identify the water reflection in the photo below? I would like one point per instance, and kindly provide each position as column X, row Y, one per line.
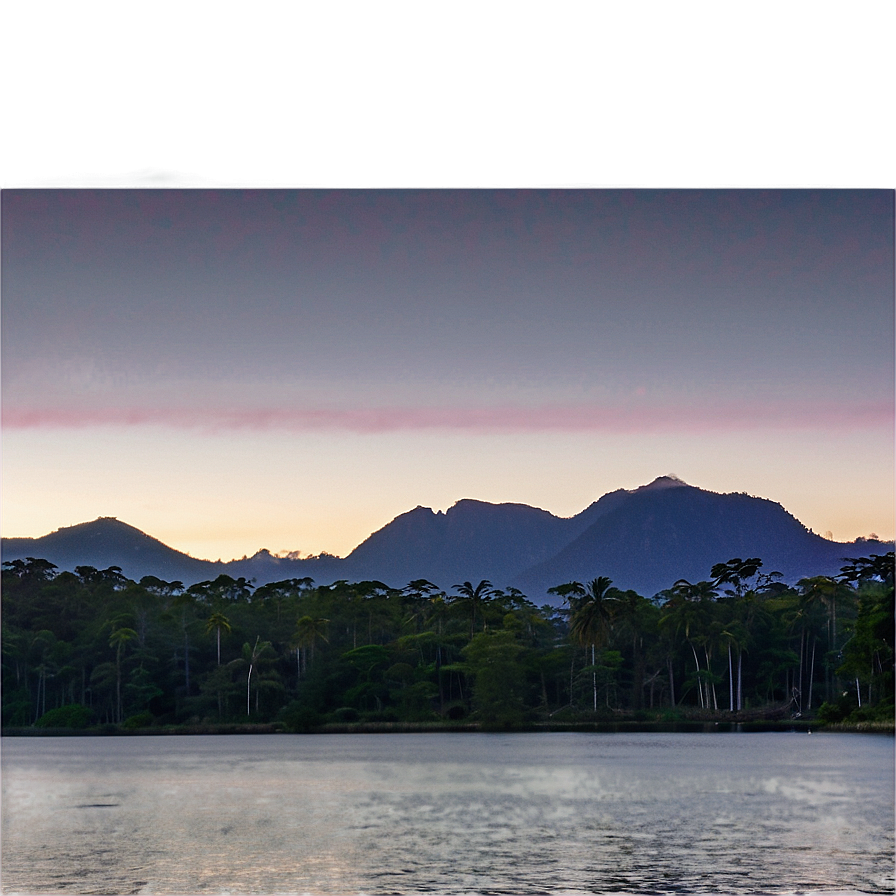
column 378, row 814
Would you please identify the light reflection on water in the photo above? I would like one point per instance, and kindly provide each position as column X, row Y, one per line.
column 449, row 813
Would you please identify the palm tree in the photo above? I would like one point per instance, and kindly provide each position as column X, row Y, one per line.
column 686, row 610
column 118, row 638
column 184, row 605
column 734, row 636
column 711, row 637
column 823, row 591
column 476, row 596
column 308, row 630
column 629, row 619
column 217, row 621
column 827, row 592
column 251, row 657
column 438, row 611
column 591, row 618
column 419, row 597
column 44, row 641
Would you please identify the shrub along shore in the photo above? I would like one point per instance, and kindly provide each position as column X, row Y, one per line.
column 92, row 652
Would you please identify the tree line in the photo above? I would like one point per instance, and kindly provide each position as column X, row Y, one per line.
column 92, row 647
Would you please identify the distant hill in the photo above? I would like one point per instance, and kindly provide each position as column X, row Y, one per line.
column 109, row 542
column 644, row 539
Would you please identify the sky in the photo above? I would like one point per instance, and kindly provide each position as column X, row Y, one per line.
column 291, row 368
column 235, row 369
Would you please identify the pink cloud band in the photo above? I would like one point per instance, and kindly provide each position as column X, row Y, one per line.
column 639, row 419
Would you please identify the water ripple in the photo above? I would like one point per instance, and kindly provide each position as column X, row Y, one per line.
column 526, row 814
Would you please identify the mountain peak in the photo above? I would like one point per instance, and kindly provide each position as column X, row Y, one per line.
column 102, row 526
column 661, row 482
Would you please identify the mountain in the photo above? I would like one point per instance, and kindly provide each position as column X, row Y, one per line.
column 656, row 535
column 109, row 542
column 644, row 539
column 473, row 540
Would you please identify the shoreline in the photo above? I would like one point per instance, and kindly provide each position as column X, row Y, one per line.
column 598, row 727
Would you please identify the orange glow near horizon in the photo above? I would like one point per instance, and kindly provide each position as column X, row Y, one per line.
column 225, row 498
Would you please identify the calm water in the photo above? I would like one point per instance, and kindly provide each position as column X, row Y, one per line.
column 449, row 813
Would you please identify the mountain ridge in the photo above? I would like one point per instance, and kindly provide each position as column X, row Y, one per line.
column 643, row 539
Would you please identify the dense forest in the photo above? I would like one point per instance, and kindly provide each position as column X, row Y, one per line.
column 91, row 648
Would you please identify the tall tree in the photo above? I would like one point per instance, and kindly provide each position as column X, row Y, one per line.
column 687, row 611
column 252, row 657
column 119, row 637
column 736, row 572
column 492, row 660
column 827, row 592
column 216, row 622
column 308, row 631
column 590, row 617
column 476, row 596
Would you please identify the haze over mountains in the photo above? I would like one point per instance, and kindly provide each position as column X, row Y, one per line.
column 644, row 539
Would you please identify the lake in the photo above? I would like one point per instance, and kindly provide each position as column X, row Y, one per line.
column 557, row 813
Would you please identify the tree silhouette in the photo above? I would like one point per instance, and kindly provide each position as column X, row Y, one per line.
column 251, row 657
column 216, row 622
column 590, row 616
column 823, row 591
column 127, row 647
column 734, row 636
column 308, row 630
column 686, row 610
column 32, row 568
column 861, row 569
column 736, row 572
column 476, row 596
column 118, row 639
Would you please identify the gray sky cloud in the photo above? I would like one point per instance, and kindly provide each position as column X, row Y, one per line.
column 592, row 94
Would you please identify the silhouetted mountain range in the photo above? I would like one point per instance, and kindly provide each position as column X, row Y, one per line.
column 644, row 539
column 109, row 542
